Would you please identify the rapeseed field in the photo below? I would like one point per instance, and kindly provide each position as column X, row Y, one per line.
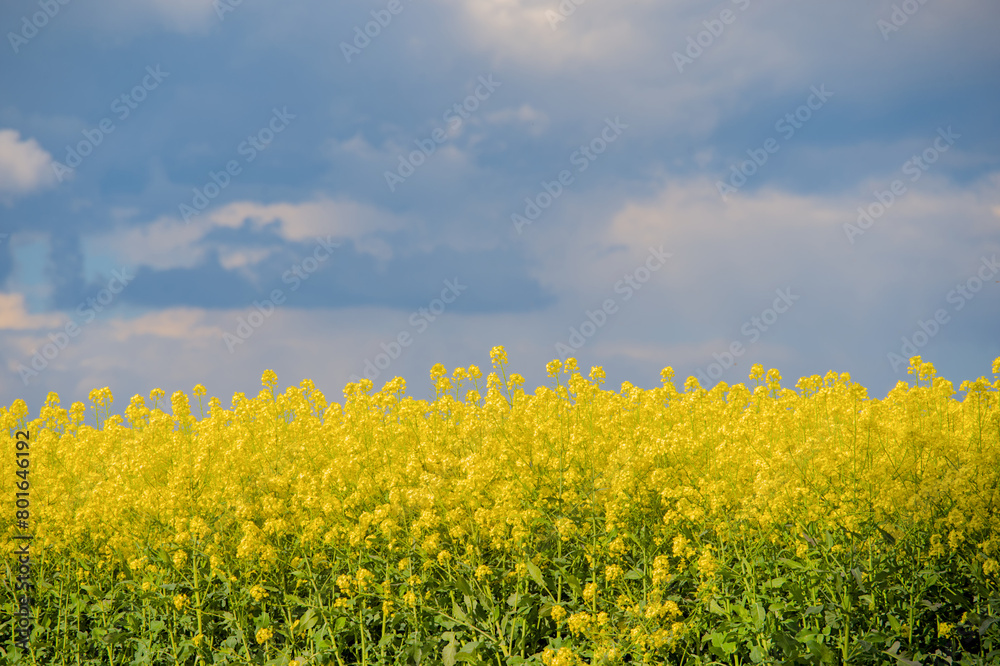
column 573, row 525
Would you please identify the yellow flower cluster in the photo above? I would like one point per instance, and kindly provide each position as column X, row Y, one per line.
column 491, row 483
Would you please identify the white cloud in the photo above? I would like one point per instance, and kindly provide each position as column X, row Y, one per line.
column 522, row 30
column 535, row 121
column 14, row 316
column 183, row 16
column 729, row 257
column 24, row 165
column 163, row 243
column 303, row 221
column 181, row 324
column 168, row 242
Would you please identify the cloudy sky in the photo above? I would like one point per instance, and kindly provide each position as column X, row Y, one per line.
column 195, row 191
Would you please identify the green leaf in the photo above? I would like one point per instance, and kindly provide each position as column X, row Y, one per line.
column 895, row 624
column 902, row 660
column 459, row 613
column 307, row 621
column 463, row 586
column 448, row 653
column 536, row 575
column 574, row 583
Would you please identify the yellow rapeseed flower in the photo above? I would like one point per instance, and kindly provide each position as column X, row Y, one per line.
column 264, row 634
column 364, row 578
column 269, row 379
column 485, row 484
column 498, row 355
column 564, row 656
column 558, row 613
column 578, row 623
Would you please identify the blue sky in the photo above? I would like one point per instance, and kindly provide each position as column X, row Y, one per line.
column 196, row 191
